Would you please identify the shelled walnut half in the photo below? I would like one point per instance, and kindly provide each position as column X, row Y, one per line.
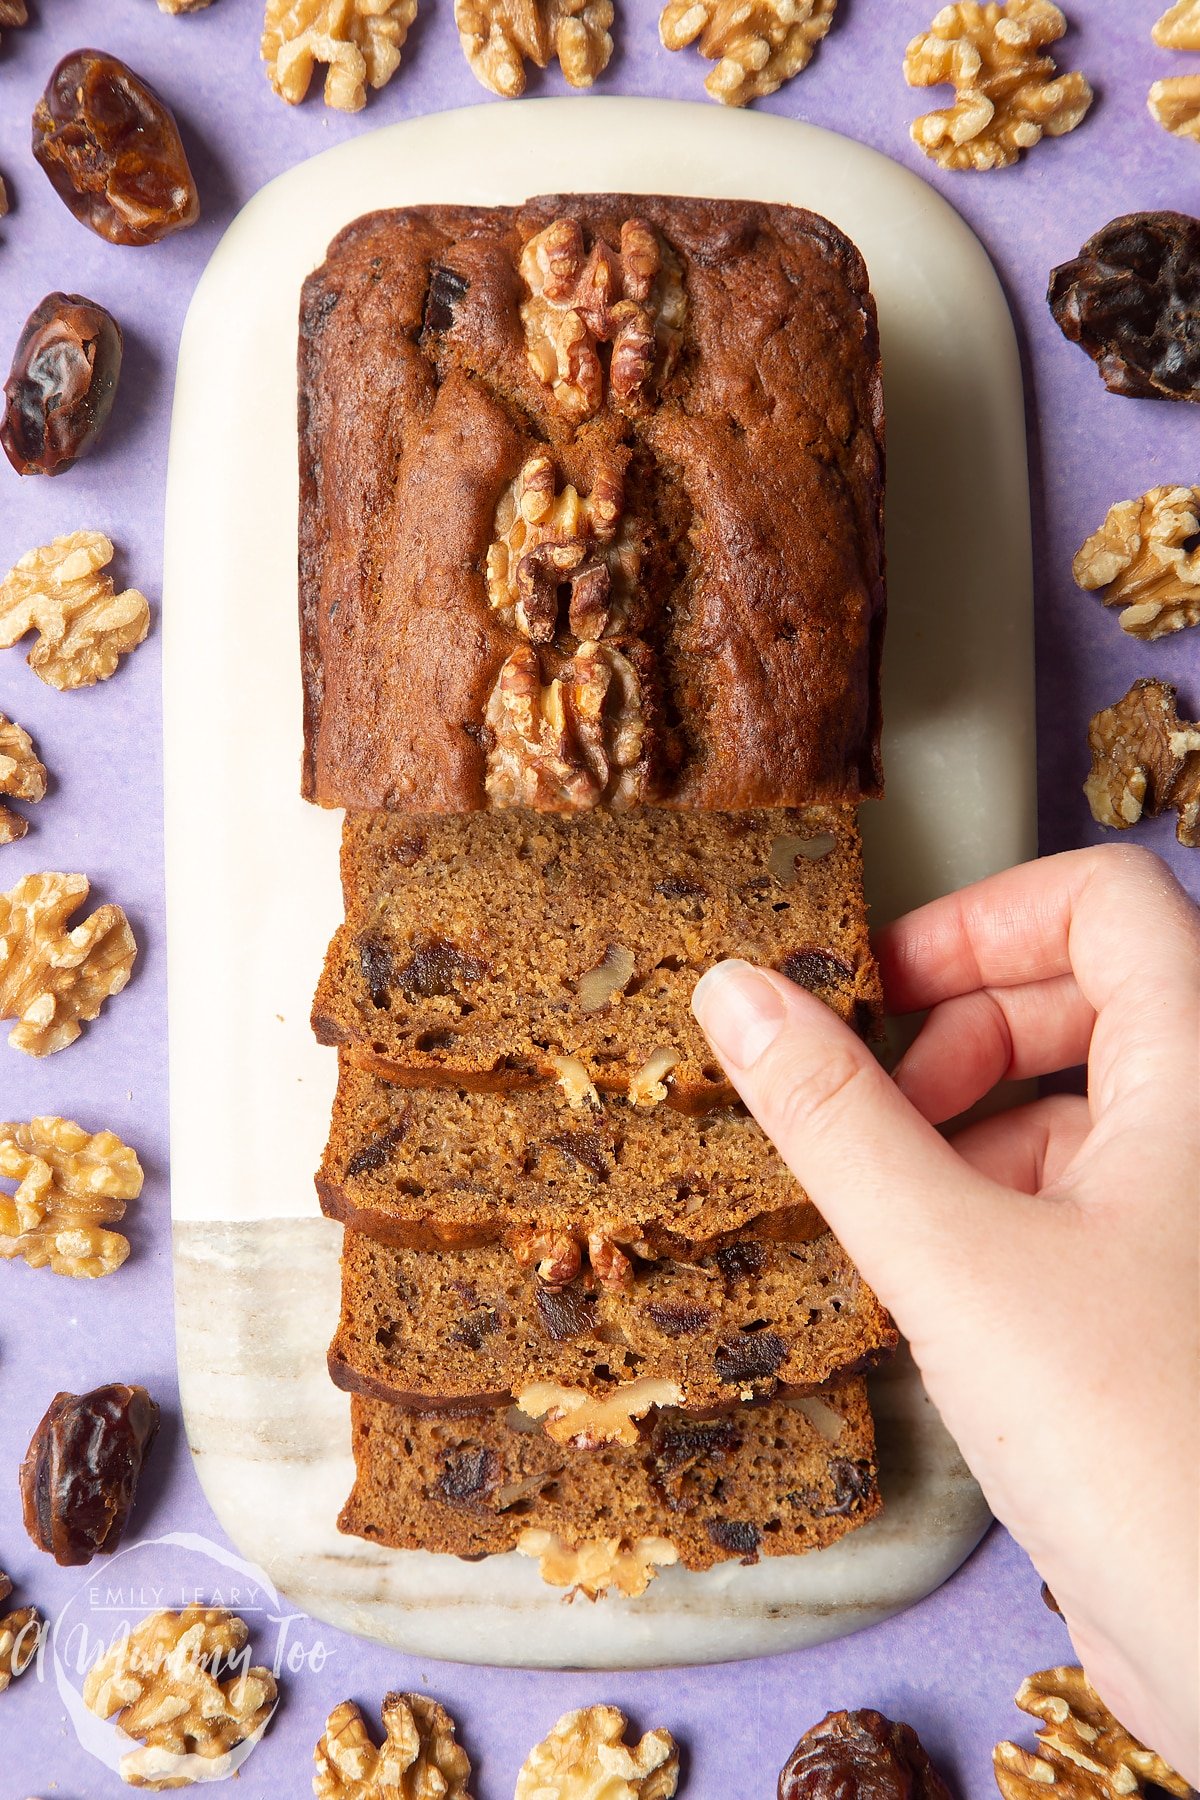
column 757, row 45
column 84, row 626
column 1084, row 1753
column 500, row 36
column 1008, row 93
column 20, row 1635
column 576, row 741
column 553, row 543
column 1145, row 559
column 1174, row 104
column 55, row 977
column 72, row 1185
column 419, row 1759
column 1179, row 26
column 586, row 1757
column 179, row 1682
column 1145, row 760
column 359, row 41
column 22, row 777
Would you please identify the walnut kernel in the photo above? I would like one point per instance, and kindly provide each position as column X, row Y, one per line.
column 1084, row 1753
column 648, row 1086
column 1140, row 560
column 418, row 1760
column 571, row 743
column 20, row 1636
column 1174, row 104
column 547, row 541
column 182, row 6
column 572, row 1416
column 55, row 978
column 632, row 298
column 22, row 777
column 499, row 36
column 757, row 45
column 611, row 976
column 585, row 1757
column 359, row 41
column 166, row 1683
column 556, row 1255
column 84, row 627
column 71, row 1185
column 1145, row 760
column 1179, row 27
column 575, row 1082
column 1007, row 92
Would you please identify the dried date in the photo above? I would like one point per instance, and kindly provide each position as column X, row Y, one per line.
column 61, row 386
column 112, row 151
column 1131, row 300
column 81, row 1471
column 860, row 1756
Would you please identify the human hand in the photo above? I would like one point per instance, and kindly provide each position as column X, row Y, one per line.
column 1044, row 1262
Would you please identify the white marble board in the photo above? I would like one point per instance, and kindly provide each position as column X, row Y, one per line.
column 252, row 872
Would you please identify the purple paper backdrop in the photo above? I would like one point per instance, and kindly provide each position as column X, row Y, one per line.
column 950, row 1665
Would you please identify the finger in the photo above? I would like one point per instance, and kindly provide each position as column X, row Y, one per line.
column 893, row 1190
column 970, row 1042
column 1030, row 1147
column 1040, row 921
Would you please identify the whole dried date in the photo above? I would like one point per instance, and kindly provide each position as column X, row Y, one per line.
column 60, row 388
column 1131, row 300
column 112, row 151
column 860, row 1756
column 81, row 1470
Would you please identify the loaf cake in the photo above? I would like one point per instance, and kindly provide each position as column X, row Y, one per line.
column 775, row 1479
column 591, row 496
column 480, row 951
column 422, row 1326
column 435, row 1168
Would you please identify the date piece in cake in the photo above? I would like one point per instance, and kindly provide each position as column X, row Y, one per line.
column 421, row 1327
column 772, row 1480
column 590, row 509
column 480, row 951
column 443, row 1168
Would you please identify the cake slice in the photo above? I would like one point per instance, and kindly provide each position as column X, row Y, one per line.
column 481, row 951
column 590, row 508
column 438, row 1168
column 427, row 1328
column 777, row 1479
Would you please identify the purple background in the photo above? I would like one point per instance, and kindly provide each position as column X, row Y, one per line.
column 951, row 1665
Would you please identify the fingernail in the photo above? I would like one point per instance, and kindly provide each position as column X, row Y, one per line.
column 740, row 1011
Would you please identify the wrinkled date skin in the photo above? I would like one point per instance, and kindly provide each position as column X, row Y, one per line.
column 61, row 386
column 1131, row 300
column 860, row 1756
column 112, row 151
column 81, row 1470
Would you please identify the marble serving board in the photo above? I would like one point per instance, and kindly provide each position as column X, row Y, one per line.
column 252, row 872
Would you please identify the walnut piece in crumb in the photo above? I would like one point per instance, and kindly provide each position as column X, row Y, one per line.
column 84, row 626
column 571, row 1415
column 648, row 1086
column 71, row 1185
column 1179, row 27
column 757, row 45
column 1008, row 94
column 54, row 978
column 20, row 1635
column 575, row 1082
column 1174, row 104
column 1145, row 760
column 419, row 1759
column 179, row 1682
column 1145, row 560
column 547, row 541
column 569, row 744
column 586, row 1757
column 359, row 41
column 1084, row 1753
column 499, row 36
column 22, row 777
column 632, row 298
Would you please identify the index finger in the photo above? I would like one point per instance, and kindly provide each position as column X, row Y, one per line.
column 1090, row 913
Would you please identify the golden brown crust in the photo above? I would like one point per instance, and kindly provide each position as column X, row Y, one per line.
column 755, row 469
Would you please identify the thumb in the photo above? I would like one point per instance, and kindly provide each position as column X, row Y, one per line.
column 912, row 1215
